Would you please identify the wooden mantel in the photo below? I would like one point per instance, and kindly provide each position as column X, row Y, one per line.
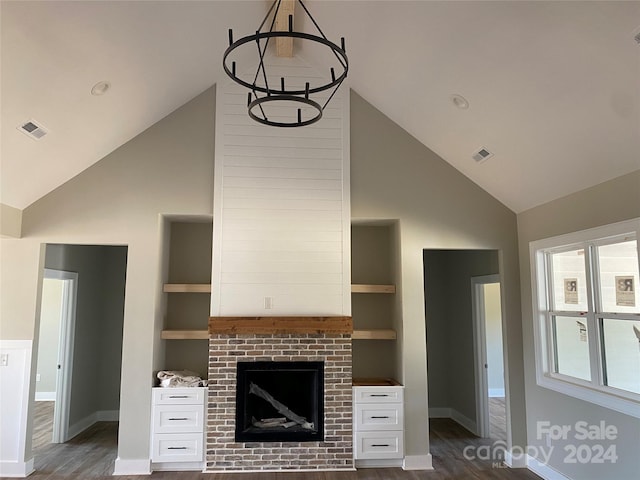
column 280, row 325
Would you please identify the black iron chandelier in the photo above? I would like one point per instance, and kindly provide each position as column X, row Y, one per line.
column 266, row 92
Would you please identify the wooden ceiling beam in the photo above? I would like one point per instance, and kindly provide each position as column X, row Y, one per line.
column 284, row 46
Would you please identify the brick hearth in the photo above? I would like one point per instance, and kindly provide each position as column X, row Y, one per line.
column 334, row 453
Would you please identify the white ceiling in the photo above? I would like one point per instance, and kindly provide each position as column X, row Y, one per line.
column 553, row 87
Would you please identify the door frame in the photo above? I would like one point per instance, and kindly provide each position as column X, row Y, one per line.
column 65, row 352
column 480, row 353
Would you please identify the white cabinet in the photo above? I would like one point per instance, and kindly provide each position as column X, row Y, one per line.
column 378, row 425
column 177, row 438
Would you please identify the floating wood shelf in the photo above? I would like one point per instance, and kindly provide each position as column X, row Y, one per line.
column 278, row 325
column 187, row 288
column 185, row 335
column 374, row 334
column 363, row 288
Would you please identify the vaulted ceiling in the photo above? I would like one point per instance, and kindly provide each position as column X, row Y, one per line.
column 553, row 87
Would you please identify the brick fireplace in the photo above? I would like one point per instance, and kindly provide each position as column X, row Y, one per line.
column 288, row 339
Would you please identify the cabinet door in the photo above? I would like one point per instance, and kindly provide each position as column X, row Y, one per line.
column 179, row 396
column 177, row 447
column 178, row 418
column 378, row 445
column 377, row 394
column 378, row 416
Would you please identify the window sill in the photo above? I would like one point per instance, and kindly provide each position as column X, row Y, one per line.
column 611, row 401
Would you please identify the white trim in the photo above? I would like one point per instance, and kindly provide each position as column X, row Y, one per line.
column 88, row 421
column 418, row 462
column 604, row 396
column 45, row 396
column 178, row 466
column 288, row 470
column 517, row 461
column 108, row 415
column 496, row 392
column 61, row 428
column 439, row 412
column 132, row 467
column 345, row 97
column 453, row 414
column 218, row 176
column 16, row 469
column 378, row 463
column 463, row 420
column 13, row 466
column 543, row 470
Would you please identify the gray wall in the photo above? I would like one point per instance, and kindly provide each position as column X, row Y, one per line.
column 596, row 206
column 168, row 170
column 449, row 320
column 97, row 349
column 395, row 177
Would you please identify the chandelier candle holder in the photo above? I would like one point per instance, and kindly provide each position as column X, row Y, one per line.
column 265, row 91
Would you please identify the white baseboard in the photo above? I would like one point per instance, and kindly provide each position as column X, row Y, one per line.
column 543, row 470
column 382, row 463
column 496, row 392
column 519, row 461
column 463, row 420
column 108, row 415
column 16, row 469
column 418, row 462
column 132, row 467
column 456, row 416
column 45, row 396
column 178, row 466
column 439, row 412
column 86, row 422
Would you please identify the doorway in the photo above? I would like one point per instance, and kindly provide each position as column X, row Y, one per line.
column 79, row 352
column 452, row 341
column 55, row 354
column 489, row 361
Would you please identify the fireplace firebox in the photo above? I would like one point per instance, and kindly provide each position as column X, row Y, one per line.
column 280, row 402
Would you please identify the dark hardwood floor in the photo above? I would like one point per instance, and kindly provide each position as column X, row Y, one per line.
column 497, row 418
column 91, row 456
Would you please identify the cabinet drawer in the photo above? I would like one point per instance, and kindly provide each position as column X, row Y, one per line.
column 178, row 418
column 179, row 396
column 377, row 394
column 378, row 445
column 177, row 447
column 378, row 416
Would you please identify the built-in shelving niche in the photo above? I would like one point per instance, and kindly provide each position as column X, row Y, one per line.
column 187, row 290
column 373, row 301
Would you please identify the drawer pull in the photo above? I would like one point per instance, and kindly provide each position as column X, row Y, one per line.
column 178, row 396
column 380, row 445
column 176, row 448
column 185, row 418
column 378, row 417
column 379, row 395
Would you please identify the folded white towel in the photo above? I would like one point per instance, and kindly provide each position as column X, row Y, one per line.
column 180, row 378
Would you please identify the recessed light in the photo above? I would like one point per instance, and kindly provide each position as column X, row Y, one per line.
column 459, row 101
column 100, row 88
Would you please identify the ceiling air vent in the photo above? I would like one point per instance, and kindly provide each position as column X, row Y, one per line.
column 33, row 129
column 637, row 38
column 481, row 155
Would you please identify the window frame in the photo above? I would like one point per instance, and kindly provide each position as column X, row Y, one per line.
column 594, row 391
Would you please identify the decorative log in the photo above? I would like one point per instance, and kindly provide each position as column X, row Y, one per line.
column 281, row 408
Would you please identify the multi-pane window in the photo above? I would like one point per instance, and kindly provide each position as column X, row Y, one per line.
column 588, row 315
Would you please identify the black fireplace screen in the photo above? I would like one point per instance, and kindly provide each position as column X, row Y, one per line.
column 280, row 402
